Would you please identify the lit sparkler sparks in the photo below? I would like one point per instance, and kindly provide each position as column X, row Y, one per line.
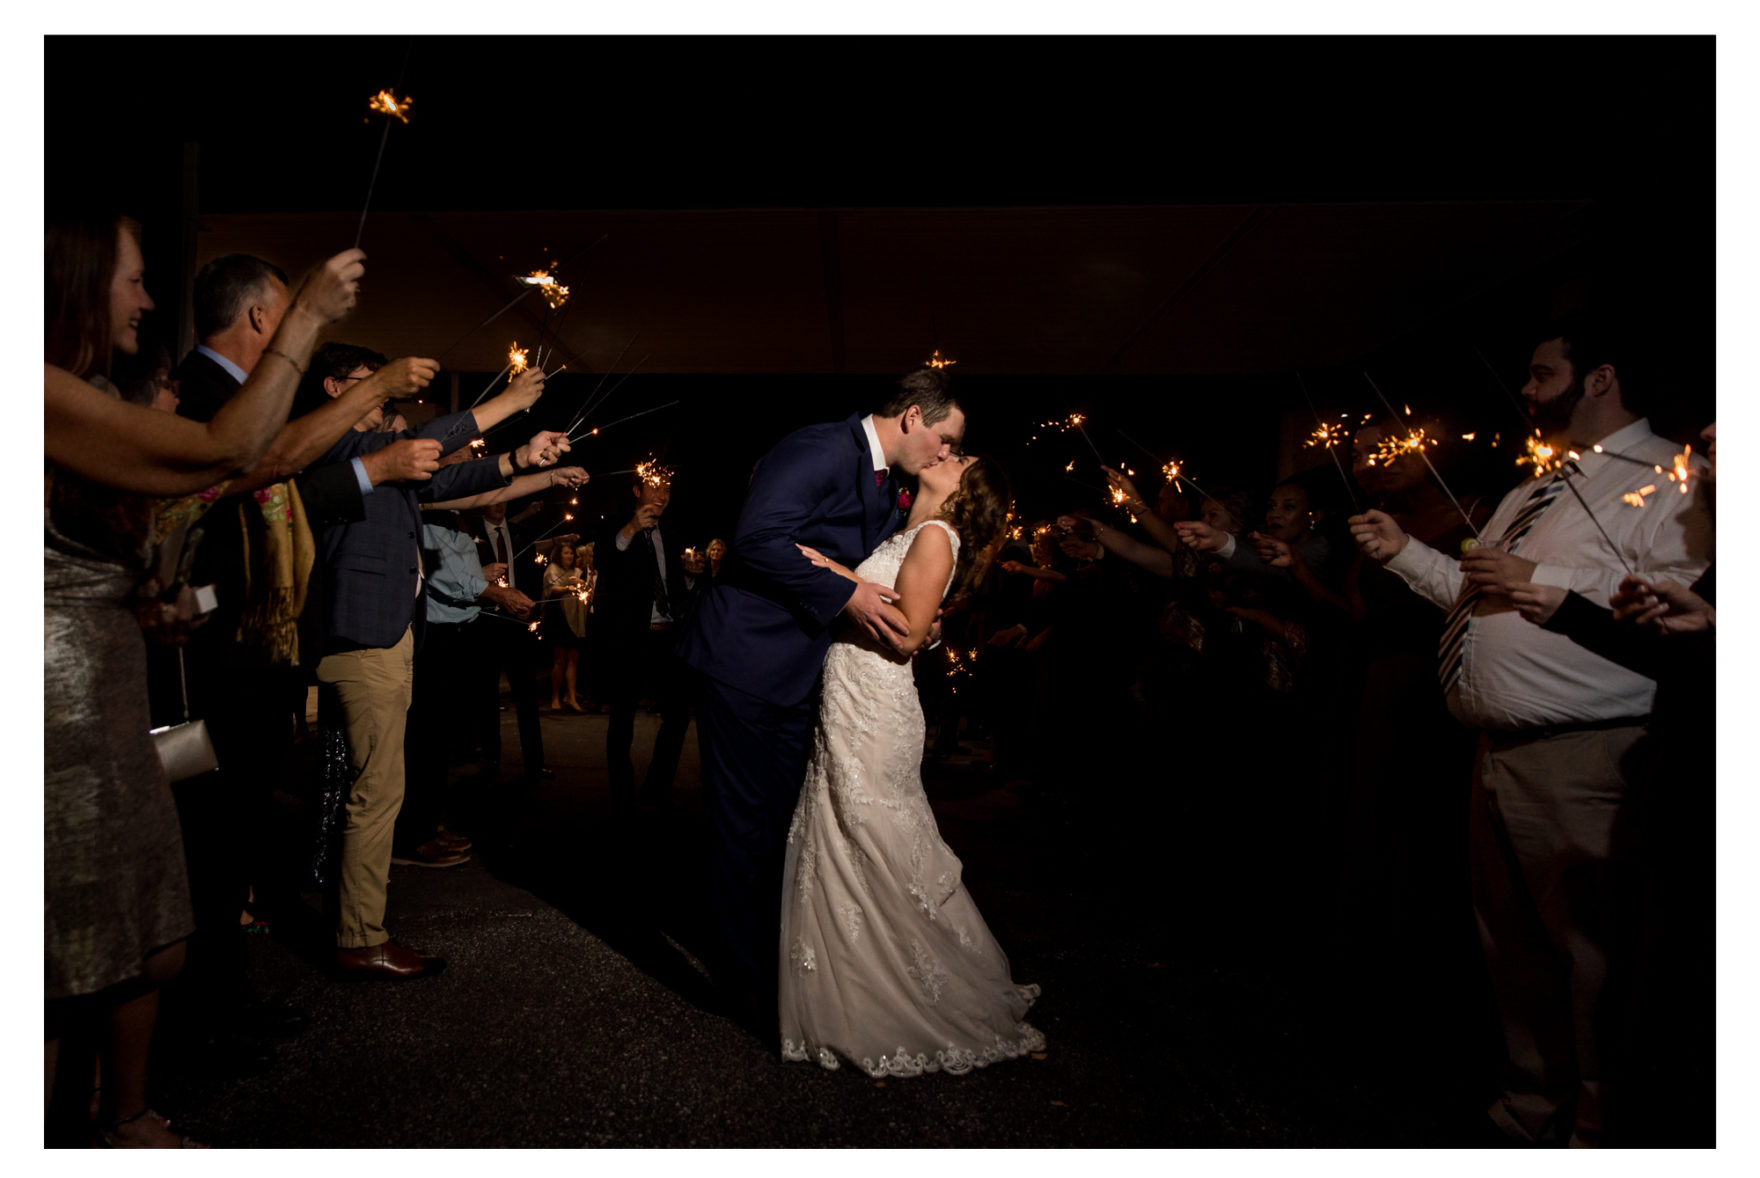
column 1328, row 436
column 959, row 667
column 553, row 291
column 1389, row 449
column 516, row 359
column 939, row 361
column 387, row 103
column 654, row 473
column 1543, row 458
column 1636, row 498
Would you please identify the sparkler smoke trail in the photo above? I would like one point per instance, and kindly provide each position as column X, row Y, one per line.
column 1420, row 452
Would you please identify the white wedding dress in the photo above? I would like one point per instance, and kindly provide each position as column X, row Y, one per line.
column 885, row 961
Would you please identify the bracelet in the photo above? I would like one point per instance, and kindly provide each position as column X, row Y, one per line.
column 286, row 357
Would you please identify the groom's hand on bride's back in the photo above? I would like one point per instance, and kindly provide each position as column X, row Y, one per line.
column 871, row 606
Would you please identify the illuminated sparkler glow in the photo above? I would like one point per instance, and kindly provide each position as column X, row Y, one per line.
column 553, row 291
column 387, row 103
column 516, row 359
column 1543, row 458
column 1636, row 498
column 938, row 361
column 654, row 473
column 1327, row 436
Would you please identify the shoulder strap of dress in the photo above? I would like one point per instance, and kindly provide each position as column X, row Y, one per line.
column 944, row 526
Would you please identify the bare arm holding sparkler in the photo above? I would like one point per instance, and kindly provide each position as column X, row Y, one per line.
column 1156, row 560
column 521, row 393
column 1162, row 532
column 131, row 448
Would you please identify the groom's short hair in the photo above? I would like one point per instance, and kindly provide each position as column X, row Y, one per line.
column 925, row 388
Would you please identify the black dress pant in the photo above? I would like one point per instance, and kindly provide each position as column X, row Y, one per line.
column 637, row 666
column 506, row 648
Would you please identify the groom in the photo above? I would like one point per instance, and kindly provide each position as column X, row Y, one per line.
column 758, row 638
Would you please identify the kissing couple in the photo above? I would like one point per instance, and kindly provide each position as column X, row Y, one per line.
column 812, row 748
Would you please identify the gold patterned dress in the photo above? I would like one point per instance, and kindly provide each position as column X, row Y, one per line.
column 114, row 883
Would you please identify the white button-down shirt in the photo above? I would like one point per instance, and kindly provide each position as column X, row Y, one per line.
column 874, row 450
column 1516, row 675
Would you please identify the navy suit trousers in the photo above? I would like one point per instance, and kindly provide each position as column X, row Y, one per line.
column 754, row 761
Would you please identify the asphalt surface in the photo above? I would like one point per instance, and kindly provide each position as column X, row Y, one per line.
column 572, row 1012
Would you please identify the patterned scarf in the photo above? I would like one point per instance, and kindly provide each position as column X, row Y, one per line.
column 277, row 568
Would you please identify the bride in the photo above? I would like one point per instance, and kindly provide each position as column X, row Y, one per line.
column 884, row 958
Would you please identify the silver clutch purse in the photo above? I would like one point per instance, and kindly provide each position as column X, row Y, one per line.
column 184, row 749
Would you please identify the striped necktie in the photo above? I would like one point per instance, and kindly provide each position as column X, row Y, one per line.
column 1453, row 648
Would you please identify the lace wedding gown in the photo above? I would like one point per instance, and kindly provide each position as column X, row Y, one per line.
column 884, row 958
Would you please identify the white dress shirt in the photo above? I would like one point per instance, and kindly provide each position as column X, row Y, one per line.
column 874, row 450
column 1516, row 675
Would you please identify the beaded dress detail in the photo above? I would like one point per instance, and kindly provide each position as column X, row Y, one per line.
column 885, row 960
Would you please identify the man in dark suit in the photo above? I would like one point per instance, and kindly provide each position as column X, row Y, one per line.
column 642, row 595
column 503, row 648
column 374, row 605
column 758, row 639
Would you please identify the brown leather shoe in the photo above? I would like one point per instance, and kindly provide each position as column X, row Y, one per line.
column 389, row 960
column 432, row 854
column 452, row 841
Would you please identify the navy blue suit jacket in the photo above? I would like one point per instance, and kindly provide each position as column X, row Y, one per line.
column 370, row 595
column 765, row 625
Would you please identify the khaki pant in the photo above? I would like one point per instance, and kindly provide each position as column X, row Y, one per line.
column 373, row 687
column 1544, row 808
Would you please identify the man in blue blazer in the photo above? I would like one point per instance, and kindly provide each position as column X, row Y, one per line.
column 374, row 606
column 758, row 638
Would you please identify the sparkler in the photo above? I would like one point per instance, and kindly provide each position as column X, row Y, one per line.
column 959, row 668
column 1636, row 498
column 588, row 404
column 654, row 472
column 553, row 291
column 937, row 361
column 1328, row 436
column 389, row 105
column 1542, row 457
column 538, row 537
column 595, row 430
column 1419, row 450
column 1567, row 468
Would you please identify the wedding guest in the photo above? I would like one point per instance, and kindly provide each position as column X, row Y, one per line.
column 116, row 898
column 643, row 588
column 1556, row 721
column 1661, row 1089
column 570, row 588
column 373, row 606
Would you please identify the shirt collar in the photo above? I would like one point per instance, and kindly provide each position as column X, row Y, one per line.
column 1620, row 441
column 874, row 450
column 232, row 370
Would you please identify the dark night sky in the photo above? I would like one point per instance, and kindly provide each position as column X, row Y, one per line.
column 1625, row 124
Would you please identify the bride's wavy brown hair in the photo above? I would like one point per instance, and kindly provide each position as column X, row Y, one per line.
column 978, row 511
